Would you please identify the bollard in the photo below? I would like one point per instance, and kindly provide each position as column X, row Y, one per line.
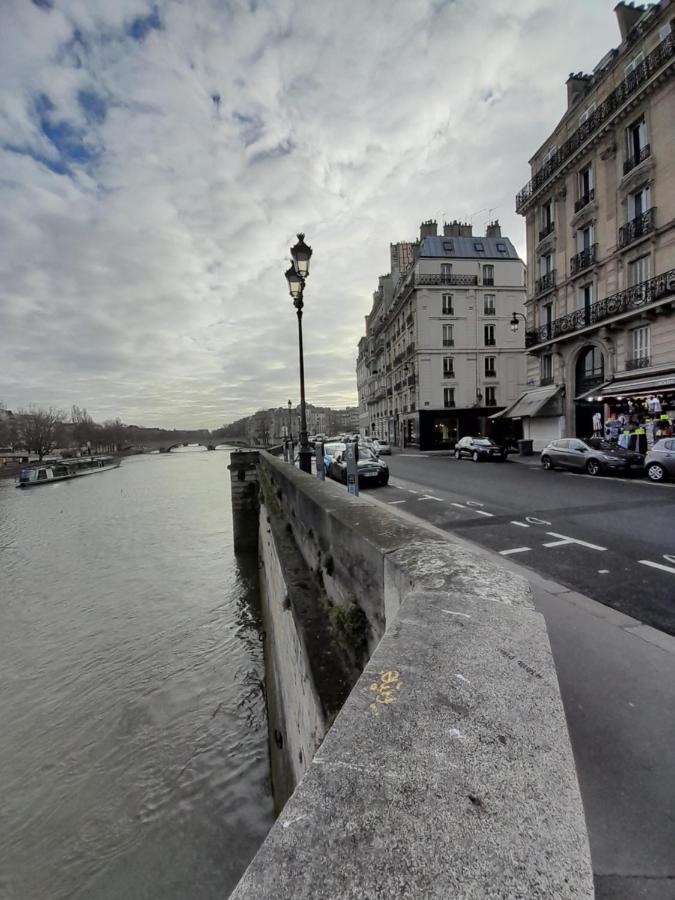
column 320, row 465
column 352, row 457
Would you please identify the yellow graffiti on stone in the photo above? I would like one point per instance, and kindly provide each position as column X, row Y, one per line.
column 385, row 690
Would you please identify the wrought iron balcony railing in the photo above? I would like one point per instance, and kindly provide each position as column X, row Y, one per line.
column 448, row 373
column 546, row 230
column 631, row 299
column 633, row 161
column 488, row 282
column 546, row 380
column 583, row 259
column 639, row 362
column 637, row 227
column 629, row 86
column 545, row 283
column 584, row 200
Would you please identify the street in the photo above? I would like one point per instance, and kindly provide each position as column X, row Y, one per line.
column 612, row 539
column 575, row 538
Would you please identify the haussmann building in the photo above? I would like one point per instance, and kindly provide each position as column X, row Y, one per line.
column 600, row 214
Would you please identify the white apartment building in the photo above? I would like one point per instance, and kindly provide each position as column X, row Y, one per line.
column 439, row 357
column 600, row 213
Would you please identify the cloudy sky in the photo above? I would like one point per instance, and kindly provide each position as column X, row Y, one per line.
column 156, row 160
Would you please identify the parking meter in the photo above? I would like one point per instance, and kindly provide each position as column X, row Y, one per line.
column 320, row 466
column 352, row 458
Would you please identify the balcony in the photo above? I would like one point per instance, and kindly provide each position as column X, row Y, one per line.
column 546, row 380
column 411, row 379
column 633, row 161
column 583, row 259
column 584, row 200
column 460, row 280
column 639, row 362
column 546, row 230
column 449, row 404
column 545, row 283
column 633, row 299
column 491, row 373
column 488, row 282
column 637, row 227
column 448, row 373
column 448, row 342
column 651, row 64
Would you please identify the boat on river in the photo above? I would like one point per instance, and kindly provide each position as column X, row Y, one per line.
column 50, row 471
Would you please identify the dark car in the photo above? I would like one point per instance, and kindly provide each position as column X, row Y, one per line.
column 660, row 461
column 479, row 449
column 372, row 471
column 594, row 456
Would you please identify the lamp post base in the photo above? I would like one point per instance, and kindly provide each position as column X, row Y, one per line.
column 305, row 459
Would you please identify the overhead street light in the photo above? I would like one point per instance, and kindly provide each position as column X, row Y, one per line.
column 514, row 321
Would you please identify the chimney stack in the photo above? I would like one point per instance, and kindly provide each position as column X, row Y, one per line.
column 577, row 85
column 465, row 229
column 428, row 229
column 493, row 230
column 627, row 15
column 451, row 229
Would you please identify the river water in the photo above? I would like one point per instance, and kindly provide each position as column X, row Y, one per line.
column 133, row 754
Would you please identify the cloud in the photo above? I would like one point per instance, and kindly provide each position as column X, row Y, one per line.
column 156, row 160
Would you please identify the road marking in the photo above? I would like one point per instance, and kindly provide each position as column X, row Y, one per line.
column 533, row 520
column 458, row 505
column 670, row 559
column 520, row 524
column 415, row 455
column 429, row 497
column 412, row 492
column 474, row 503
column 563, row 539
column 394, row 502
column 603, row 571
column 451, row 612
column 397, row 486
column 646, row 562
column 514, row 550
column 481, row 512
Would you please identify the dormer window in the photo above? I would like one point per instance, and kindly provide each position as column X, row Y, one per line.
column 479, row 246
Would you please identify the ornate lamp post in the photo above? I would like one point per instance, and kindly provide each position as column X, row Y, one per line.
column 296, row 275
column 514, row 321
column 290, row 423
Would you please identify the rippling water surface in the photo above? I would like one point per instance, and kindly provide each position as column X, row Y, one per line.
column 133, row 758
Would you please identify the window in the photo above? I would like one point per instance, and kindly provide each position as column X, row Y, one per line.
column 488, row 275
column 479, row 246
column 639, row 270
column 447, row 307
column 448, row 340
column 545, row 264
column 501, row 247
column 548, row 160
column 446, row 273
column 640, row 343
column 547, row 367
column 489, row 335
column 491, row 395
column 584, row 238
column 447, row 246
column 636, row 138
column 448, row 397
column 664, row 31
column 546, row 219
column 585, row 297
column 586, row 184
column 490, row 366
column 448, row 367
column 638, row 203
column 587, row 113
column 489, row 304
column 633, row 64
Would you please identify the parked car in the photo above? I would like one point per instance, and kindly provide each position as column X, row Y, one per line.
column 329, row 451
column 382, row 448
column 635, row 462
column 372, row 471
column 660, row 460
column 479, row 449
column 595, row 456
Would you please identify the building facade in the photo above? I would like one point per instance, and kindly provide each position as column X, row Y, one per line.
column 600, row 218
column 439, row 357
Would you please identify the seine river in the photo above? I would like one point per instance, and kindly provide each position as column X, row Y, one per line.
column 133, row 754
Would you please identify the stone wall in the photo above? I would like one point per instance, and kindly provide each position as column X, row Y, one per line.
column 448, row 770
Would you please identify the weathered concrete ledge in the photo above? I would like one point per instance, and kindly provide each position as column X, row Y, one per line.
column 448, row 773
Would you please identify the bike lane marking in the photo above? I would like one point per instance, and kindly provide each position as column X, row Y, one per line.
column 564, row 539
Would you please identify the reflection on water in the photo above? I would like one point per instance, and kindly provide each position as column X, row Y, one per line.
column 133, row 756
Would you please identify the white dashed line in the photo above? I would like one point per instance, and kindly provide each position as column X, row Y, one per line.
column 603, row 571
column 520, row 524
column 514, row 550
column 563, row 539
column 481, row 512
column 458, row 505
column 394, row 502
column 412, row 492
column 660, row 566
column 429, row 497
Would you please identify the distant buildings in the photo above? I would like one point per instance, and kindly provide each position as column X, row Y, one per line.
column 439, row 356
column 600, row 213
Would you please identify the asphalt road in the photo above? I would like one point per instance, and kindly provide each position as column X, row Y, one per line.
column 617, row 677
column 612, row 539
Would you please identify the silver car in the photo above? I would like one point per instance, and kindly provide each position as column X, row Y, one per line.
column 660, row 461
column 593, row 457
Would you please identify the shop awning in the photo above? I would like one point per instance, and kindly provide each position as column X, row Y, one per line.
column 636, row 387
column 531, row 403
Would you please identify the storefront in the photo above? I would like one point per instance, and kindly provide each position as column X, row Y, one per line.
column 440, row 429
column 637, row 412
column 537, row 414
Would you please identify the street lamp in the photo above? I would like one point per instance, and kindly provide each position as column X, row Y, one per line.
column 514, row 321
column 290, row 425
column 295, row 276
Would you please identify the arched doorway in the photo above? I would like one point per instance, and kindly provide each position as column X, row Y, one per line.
column 589, row 373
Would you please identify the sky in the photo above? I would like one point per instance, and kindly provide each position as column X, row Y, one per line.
column 157, row 160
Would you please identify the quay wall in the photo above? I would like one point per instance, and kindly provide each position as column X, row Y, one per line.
column 419, row 742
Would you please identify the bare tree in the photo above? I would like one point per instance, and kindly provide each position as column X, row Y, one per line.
column 37, row 428
column 83, row 426
column 7, row 428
